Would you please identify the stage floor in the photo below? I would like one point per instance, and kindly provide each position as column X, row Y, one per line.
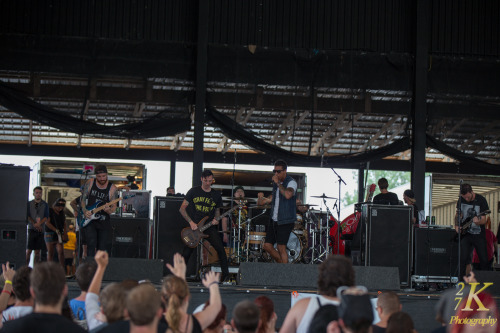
column 419, row 304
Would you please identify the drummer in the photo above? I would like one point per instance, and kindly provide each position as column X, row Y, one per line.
column 238, row 192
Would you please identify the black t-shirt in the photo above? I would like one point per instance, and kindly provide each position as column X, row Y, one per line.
column 57, row 220
column 202, row 203
column 377, row 329
column 471, row 209
column 388, row 198
column 42, row 322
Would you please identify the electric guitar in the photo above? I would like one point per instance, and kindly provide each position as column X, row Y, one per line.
column 467, row 223
column 192, row 237
column 97, row 207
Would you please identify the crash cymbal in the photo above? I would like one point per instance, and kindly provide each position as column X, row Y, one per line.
column 306, row 205
column 260, row 207
column 244, row 199
column 323, row 196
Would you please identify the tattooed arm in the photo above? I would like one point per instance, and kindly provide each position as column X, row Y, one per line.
column 113, row 194
column 85, row 196
column 185, row 215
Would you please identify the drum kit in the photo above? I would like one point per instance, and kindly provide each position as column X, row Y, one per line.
column 310, row 240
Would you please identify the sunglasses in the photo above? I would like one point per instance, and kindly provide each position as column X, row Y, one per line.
column 277, row 171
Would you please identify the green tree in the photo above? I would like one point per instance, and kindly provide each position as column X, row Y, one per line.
column 395, row 179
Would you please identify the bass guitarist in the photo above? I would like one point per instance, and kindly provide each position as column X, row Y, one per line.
column 471, row 205
column 98, row 191
column 202, row 201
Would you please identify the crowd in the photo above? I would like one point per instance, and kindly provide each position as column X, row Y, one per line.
column 35, row 300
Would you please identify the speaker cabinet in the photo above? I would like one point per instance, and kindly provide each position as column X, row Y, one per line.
column 436, row 252
column 14, row 194
column 168, row 225
column 130, row 237
column 13, row 243
column 389, row 238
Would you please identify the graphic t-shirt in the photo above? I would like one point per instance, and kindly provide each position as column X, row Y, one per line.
column 202, row 203
column 471, row 209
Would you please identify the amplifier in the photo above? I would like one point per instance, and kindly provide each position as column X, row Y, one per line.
column 436, row 252
column 130, row 237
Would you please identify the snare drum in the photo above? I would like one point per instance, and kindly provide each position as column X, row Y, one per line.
column 256, row 240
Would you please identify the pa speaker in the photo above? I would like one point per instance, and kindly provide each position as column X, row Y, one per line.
column 14, row 194
column 119, row 269
column 389, row 238
column 436, row 252
column 130, row 237
column 168, row 225
column 377, row 278
column 13, row 243
column 278, row 275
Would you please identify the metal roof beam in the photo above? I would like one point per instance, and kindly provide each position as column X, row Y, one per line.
column 339, row 135
column 336, row 124
column 379, row 133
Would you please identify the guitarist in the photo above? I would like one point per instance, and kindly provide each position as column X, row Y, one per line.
column 99, row 191
column 471, row 204
column 205, row 201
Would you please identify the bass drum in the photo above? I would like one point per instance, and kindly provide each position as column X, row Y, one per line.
column 333, row 238
column 294, row 249
column 348, row 227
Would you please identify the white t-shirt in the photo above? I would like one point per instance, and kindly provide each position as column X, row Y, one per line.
column 312, row 307
column 15, row 312
column 291, row 184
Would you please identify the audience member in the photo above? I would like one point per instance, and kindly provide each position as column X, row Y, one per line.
column 69, row 251
column 93, row 312
column 48, row 288
column 400, row 322
column 334, row 272
column 355, row 310
column 7, row 297
column 325, row 314
column 246, row 317
column 387, row 304
column 175, row 294
column 143, row 307
column 268, row 317
column 84, row 275
column 217, row 326
column 24, row 301
column 466, row 321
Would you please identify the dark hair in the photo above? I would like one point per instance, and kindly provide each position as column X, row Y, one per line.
column 101, row 168
column 84, row 274
column 266, row 307
column 170, row 188
column 21, row 283
column 383, row 183
column 466, row 188
column 220, row 316
column 400, row 322
column 334, row 272
column 246, row 316
column 409, row 194
column 206, row 173
column 281, row 163
column 59, row 202
column 48, row 281
column 37, row 188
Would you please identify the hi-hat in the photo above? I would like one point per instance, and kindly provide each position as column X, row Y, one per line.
column 306, row 205
column 323, row 196
column 260, row 207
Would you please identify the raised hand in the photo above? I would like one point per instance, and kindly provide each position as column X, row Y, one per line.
column 8, row 272
column 210, row 278
column 101, row 258
column 179, row 268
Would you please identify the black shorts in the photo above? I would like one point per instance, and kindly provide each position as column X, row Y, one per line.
column 36, row 240
column 278, row 233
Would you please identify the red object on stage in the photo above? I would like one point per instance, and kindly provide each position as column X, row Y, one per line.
column 348, row 226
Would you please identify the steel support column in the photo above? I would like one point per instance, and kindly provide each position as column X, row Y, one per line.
column 172, row 173
column 419, row 109
column 201, row 89
column 361, row 184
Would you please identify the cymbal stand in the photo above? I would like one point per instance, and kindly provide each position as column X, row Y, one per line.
column 247, row 236
column 316, row 247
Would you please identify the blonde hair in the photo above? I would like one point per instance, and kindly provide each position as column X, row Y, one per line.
column 174, row 291
column 112, row 299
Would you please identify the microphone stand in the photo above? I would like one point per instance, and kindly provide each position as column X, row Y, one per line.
column 459, row 234
column 338, row 209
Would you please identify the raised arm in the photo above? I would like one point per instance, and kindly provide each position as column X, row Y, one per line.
column 207, row 316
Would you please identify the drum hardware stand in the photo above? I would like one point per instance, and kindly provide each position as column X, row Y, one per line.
column 247, row 235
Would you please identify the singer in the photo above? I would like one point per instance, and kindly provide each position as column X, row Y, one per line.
column 283, row 208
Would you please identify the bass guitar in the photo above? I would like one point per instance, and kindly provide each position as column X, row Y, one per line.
column 192, row 237
column 467, row 223
column 97, row 207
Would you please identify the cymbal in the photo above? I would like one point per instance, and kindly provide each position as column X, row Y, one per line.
column 322, row 196
column 244, row 199
column 260, row 207
column 225, row 232
column 306, row 205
